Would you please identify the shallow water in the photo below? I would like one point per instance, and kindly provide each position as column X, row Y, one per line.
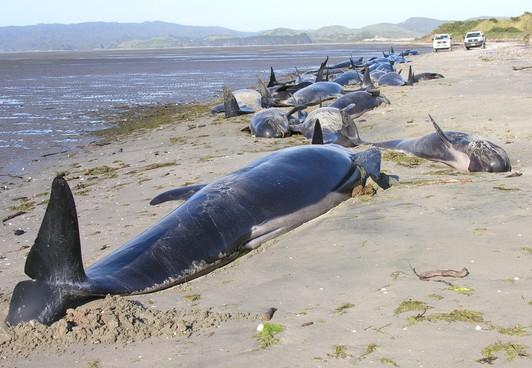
column 49, row 101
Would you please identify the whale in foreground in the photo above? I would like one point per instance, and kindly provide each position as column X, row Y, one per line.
column 212, row 227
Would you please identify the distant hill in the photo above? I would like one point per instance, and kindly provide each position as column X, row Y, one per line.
column 421, row 25
column 410, row 29
column 110, row 35
column 513, row 28
column 102, row 35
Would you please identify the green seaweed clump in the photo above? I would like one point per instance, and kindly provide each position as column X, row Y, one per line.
column 388, row 361
column 192, row 297
column 527, row 250
column 370, row 349
column 402, row 159
column 411, row 306
column 457, row 315
column 24, row 205
column 266, row 337
column 511, row 351
column 464, row 290
column 516, row 330
column 344, row 307
column 104, row 170
column 340, row 352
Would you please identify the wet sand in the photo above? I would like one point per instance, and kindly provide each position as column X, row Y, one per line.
column 343, row 283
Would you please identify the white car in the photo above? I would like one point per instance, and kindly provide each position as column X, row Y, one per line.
column 474, row 39
column 442, row 41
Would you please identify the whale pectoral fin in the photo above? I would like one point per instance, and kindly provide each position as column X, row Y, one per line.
column 246, row 129
column 182, row 193
column 369, row 162
column 386, row 181
column 441, row 133
column 254, row 243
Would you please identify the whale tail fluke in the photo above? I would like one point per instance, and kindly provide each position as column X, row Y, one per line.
column 54, row 263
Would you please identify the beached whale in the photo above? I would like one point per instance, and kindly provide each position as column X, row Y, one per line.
column 316, row 93
column 274, row 122
column 334, row 123
column 241, row 101
column 463, row 151
column 363, row 100
column 216, row 222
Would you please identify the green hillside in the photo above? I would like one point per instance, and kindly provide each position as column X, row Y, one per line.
column 514, row 28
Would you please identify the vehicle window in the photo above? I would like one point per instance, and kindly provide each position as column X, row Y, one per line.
column 442, row 37
column 473, row 34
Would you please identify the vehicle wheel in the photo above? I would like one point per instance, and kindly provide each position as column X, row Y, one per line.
column 435, row 50
column 467, row 48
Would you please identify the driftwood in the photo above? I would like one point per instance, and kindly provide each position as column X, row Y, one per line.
column 521, row 67
column 441, row 273
column 12, row 216
column 53, row 153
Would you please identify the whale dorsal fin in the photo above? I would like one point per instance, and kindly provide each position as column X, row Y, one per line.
column 441, row 133
column 182, row 193
column 319, row 76
column 317, row 137
column 410, row 80
column 265, row 95
column 231, row 107
column 273, row 79
column 56, row 254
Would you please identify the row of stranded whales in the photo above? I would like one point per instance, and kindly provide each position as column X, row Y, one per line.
column 213, row 225
column 239, row 211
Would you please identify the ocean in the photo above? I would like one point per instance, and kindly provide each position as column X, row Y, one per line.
column 51, row 101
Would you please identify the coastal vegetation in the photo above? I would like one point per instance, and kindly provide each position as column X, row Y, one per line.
column 513, row 28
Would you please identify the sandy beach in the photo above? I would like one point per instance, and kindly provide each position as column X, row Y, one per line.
column 343, row 284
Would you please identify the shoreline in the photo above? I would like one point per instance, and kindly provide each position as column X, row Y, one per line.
column 339, row 280
column 369, row 42
column 55, row 121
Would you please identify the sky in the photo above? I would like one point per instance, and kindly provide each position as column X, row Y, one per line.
column 252, row 15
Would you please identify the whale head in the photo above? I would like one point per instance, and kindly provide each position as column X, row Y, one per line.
column 488, row 157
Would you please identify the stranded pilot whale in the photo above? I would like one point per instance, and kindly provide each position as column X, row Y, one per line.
column 217, row 221
column 463, row 151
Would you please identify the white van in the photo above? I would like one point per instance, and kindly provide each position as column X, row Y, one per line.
column 442, row 41
column 474, row 39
